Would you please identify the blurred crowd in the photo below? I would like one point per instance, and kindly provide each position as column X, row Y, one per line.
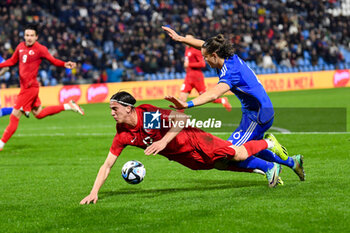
column 122, row 40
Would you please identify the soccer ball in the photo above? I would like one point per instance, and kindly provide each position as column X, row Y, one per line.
column 133, row 172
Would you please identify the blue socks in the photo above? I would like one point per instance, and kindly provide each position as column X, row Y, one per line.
column 5, row 111
column 272, row 157
column 253, row 162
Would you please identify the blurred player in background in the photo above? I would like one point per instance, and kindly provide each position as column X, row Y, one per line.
column 29, row 54
column 4, row 111
column 236, row 76
column 193, row 64
column 191, row 147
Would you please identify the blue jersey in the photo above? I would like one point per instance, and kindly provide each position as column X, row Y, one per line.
column 246, row 86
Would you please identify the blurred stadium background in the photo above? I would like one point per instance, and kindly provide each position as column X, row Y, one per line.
column 115, row 41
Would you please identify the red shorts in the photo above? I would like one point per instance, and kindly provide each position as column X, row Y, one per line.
column 27, row 99
column 193, row 82
column 208, row 149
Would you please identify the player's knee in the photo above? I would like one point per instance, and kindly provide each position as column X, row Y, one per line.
column 16, row 113
column 37, row 115
column 241, row 153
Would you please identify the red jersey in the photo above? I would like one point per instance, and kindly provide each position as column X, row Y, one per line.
column 190, row 142
column 29, row 61
column 195, row 63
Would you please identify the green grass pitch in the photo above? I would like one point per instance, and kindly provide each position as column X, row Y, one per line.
column 50, row 165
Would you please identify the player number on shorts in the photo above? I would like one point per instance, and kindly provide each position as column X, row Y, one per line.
column 24, row 58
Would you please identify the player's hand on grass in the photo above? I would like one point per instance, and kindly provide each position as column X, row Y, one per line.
column 172, row 34
column 178, row 104
column 70, row 65
column 91, row 198
column 155, row 148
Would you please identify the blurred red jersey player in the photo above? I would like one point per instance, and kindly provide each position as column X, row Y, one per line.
column 194, row 62
column 30, row 54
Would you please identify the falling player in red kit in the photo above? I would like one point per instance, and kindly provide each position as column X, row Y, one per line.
column 191, row 147
column 29, row 54
column 194, row 62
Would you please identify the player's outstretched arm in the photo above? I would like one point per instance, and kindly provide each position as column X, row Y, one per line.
column 193, row 42
column 212, row 94
column 55, row 61
column 12, row 60
column 208, row 96
column 100, row 179
column 4, row 70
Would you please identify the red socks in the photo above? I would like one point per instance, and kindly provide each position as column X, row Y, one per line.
column 10, row 129
column 218, row 101
column 255, row 146
column 51, row 110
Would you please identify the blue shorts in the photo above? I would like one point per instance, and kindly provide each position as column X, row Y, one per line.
column 249, row 129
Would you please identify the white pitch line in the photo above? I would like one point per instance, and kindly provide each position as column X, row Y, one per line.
column 282, row 130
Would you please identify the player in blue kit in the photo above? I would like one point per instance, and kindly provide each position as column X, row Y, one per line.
column 236, row 76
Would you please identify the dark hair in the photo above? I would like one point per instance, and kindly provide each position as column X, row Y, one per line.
column 124, row 98
column 32, row 27
column 218, row 44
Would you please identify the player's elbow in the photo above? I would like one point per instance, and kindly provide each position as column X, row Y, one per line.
column 104, row 170
column 107, row 165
